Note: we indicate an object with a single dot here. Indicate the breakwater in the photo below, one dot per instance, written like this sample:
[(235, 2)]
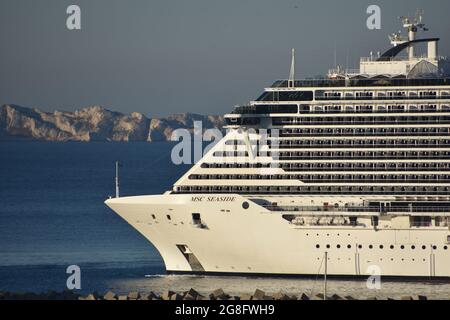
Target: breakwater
[(218, 294)]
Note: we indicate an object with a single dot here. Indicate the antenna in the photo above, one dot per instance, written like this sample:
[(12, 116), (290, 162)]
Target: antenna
[(413, 24), (291, 82), (117, 178), (335, 54)]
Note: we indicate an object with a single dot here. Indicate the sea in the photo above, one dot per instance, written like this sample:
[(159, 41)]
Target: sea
[(52, 216)]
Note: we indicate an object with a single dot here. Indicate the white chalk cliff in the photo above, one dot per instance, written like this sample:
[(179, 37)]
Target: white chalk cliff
[(94, 124)]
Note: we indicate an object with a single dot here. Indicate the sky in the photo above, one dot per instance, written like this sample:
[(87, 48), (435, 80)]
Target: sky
[(160, 57)]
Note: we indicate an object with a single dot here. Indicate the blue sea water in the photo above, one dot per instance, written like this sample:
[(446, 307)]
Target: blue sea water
[(52, 215)]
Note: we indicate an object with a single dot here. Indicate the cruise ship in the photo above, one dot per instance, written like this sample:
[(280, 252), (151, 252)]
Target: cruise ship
[(354, 167)]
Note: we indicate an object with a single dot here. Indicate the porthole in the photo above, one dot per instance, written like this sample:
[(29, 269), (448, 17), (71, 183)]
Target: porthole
[(434, 247), (359, 246), (245, 205), (168, 217), (392, 247), (445, 247), (338, 246), (402, 247), (317, 246), (370, 246), (381, 246), (413, 247), (349, 246), (424, 247), (328, 246)]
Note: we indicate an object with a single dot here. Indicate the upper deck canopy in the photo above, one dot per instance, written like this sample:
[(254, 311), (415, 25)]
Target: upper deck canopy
[(365, 82)]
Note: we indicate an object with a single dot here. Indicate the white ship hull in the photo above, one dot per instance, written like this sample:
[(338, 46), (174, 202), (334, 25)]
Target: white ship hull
[(258, 241), (356, 166)]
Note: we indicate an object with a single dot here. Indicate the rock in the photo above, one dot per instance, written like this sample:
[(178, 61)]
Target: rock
[(390, 298), (188, 296), (420, 297), (134, 295), (122, 297), (349, 298), (319, 296), (304, 296), (90, 297), (218, 294), (259, 295), (94, 124), (149, 296), (191, 295), (246, 297), (110, 296), (406, 298), (176, 296), (280, 296), (372, 298), (336, 297), (167, 294)]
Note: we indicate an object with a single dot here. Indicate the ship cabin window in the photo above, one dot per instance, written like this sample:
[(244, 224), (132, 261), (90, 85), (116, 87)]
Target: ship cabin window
[(333, 108), (353, 220), (319, 108), (420, 221), (196, 218), (365, 108), (429, 107), (304, 108), (350, 108), (445, 107), (374, 221), (331, 94), (397, 108), (427, 94), (364, 94)]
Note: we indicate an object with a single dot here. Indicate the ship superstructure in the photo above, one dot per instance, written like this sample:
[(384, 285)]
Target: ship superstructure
[(356, 165)]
